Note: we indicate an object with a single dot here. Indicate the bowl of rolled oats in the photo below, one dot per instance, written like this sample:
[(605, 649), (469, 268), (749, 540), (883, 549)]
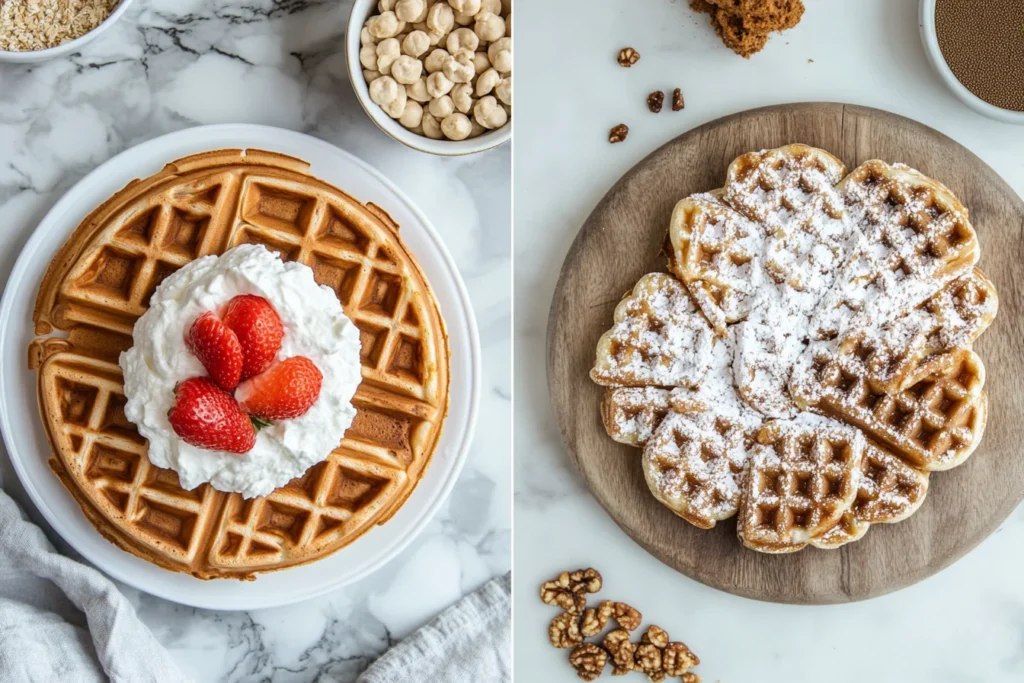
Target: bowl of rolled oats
[(37, 30), (436, 75)]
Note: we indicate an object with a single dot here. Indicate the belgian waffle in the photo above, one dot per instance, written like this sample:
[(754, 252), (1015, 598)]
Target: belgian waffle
[(99, 284), (804, 476), (845, 308), (889, 491)]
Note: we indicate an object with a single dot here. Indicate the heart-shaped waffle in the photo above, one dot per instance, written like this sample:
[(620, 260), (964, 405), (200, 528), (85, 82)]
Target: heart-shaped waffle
[(804, 476), (890, 491), (695, 465), (713, 252), (840, 371), (659, 338)]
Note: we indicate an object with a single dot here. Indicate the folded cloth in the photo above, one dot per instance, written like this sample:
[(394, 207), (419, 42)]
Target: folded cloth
[(470, 642), (63, 621)]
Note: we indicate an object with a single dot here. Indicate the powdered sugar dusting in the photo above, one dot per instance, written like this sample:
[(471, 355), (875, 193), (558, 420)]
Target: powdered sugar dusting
[(659, 338), (836, 309)]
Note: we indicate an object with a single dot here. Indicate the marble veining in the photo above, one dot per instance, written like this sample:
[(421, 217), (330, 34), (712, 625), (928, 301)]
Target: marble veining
[(173, 64)]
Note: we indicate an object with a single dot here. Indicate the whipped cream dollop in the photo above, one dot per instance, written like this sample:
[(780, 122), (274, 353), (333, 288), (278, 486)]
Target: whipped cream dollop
[(315, 326)]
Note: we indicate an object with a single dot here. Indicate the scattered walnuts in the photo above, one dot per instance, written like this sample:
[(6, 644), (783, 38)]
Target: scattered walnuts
[(595, 620), (568, 589), (627, 617), (564, 630), (678, 659), (648, 659), (618, 133), (589, 661), (621, 650), (677, 100), (628, 57), (655, 101), (655, 654), (655, 636)]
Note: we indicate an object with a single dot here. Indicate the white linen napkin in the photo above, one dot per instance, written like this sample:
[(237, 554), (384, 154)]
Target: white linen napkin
[(470, 642), (63, 621)]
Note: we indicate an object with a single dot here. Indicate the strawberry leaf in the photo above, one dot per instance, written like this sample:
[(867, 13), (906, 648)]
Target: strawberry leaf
[(258, 422)]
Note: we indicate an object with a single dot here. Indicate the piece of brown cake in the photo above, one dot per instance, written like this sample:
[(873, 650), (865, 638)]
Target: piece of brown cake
[(764, 16), (744, 25), (736, 36)]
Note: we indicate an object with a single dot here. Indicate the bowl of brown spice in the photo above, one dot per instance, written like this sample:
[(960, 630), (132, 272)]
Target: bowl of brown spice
[(37, 30), (977, 48)]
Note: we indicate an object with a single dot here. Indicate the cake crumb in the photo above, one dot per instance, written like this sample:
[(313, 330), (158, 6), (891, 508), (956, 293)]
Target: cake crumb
[(744, 25)]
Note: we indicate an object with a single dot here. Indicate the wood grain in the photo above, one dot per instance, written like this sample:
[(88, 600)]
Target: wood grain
[(621, 241)]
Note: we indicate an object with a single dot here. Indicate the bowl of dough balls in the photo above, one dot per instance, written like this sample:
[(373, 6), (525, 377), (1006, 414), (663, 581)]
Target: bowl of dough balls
[(436, 75)]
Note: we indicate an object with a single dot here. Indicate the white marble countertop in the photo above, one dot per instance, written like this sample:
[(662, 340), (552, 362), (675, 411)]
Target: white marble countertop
[(964, 624), (172, 64)]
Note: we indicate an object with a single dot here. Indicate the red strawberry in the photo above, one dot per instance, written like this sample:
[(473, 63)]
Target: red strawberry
[(286, 390), (206, 416), (259, 330), (217, 348)]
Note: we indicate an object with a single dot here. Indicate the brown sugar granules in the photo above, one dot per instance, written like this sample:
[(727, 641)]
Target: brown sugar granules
[(983, 44), (744, 25)]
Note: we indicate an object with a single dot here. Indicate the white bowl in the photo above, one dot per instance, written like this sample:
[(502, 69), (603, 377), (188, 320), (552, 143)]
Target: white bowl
[(68, 47), (931, 48), (361, 11)]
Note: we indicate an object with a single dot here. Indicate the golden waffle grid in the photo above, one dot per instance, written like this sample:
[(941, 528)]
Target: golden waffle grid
[(351, 248), (930, 408)]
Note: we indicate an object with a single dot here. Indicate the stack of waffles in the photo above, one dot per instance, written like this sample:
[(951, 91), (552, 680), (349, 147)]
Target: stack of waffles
[(808, 362), (100, 283)]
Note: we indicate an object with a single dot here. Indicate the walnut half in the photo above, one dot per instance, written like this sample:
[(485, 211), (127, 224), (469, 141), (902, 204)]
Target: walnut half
[(677, 100), (618, 133), (621, 650), (568, 589), (564, 631), (596, 619), (678, 659), (655, 101), (589, 661), (628, 57)]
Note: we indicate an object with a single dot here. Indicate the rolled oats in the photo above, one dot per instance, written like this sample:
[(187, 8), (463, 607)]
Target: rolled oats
[(42, 24)]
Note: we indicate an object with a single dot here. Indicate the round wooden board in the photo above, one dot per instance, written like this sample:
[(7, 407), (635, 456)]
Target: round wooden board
[(622, 241)]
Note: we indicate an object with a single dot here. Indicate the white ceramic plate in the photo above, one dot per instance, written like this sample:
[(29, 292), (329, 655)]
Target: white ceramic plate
[(23, 430)]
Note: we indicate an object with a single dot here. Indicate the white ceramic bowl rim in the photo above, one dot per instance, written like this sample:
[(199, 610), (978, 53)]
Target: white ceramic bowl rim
[(361, 10), (68, 47), (931, 46)]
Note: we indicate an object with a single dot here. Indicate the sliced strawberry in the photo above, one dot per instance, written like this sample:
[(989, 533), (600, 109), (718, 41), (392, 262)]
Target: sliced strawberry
[(286, 390), (259, 330), (217, 348), (206, 416)]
